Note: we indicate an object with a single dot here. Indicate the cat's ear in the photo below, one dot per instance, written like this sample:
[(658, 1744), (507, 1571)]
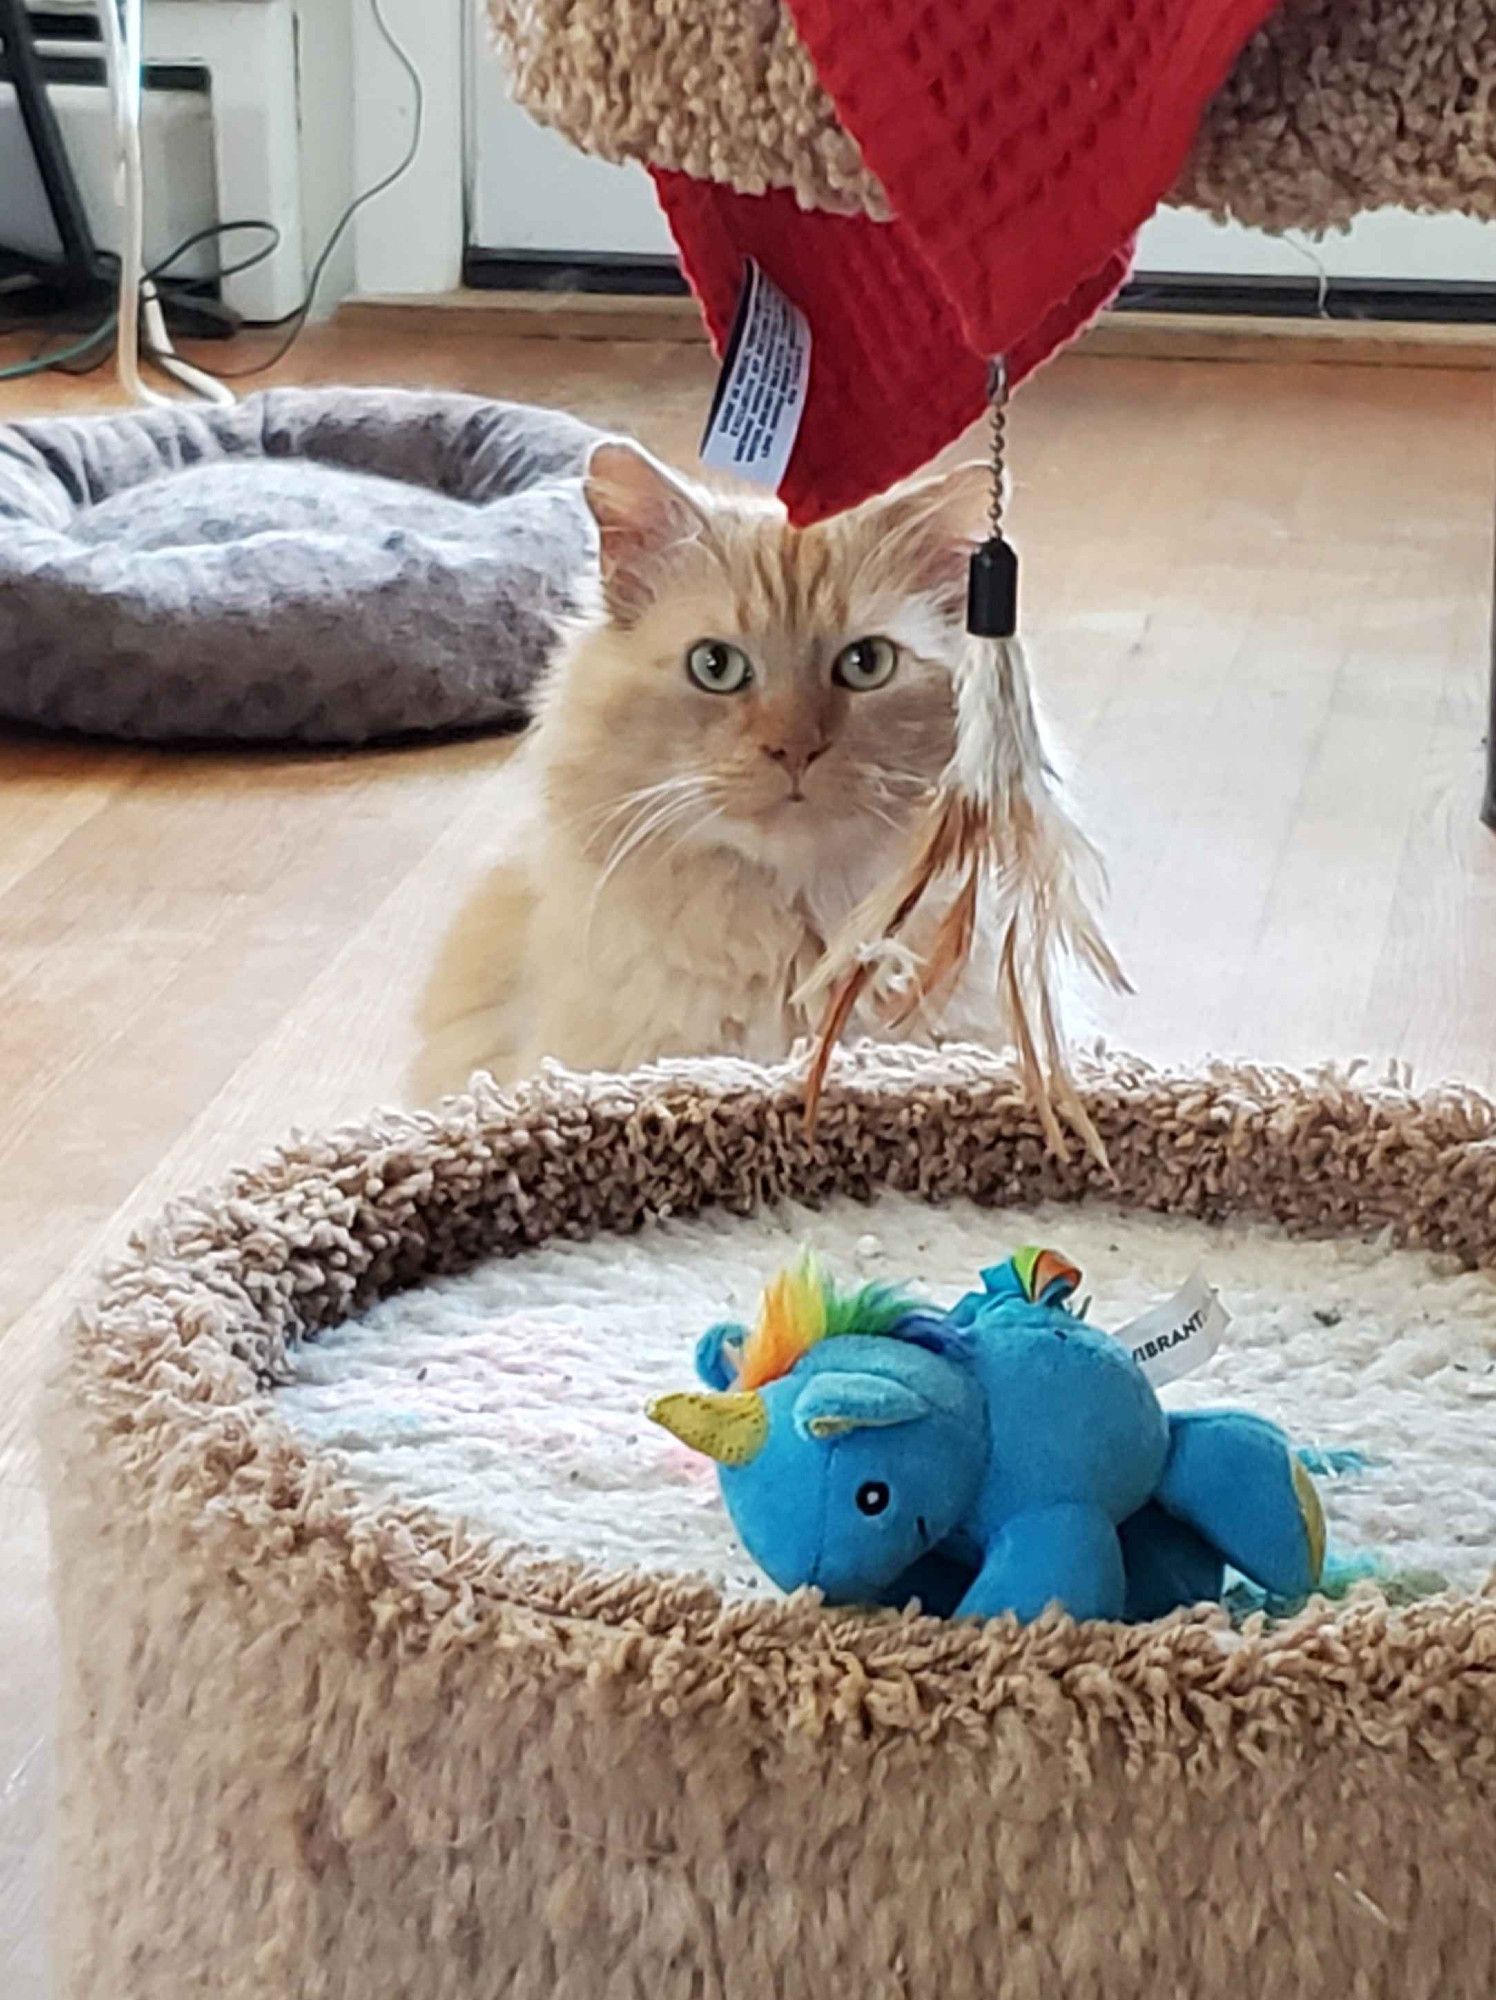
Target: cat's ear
[(921, 535), (644, 516)]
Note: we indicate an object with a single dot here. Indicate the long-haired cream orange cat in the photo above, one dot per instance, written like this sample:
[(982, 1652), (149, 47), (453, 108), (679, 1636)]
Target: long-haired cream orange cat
[(732, 749)]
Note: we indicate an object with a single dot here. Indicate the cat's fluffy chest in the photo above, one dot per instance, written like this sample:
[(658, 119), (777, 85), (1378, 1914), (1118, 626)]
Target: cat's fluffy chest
[(702, 952)]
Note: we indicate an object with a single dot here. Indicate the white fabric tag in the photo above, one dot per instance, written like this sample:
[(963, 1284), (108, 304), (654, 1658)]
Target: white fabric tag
[(760, 397), (1171, 1339)]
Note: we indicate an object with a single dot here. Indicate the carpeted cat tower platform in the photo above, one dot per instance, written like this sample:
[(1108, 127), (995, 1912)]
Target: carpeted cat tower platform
[(323, 1736)]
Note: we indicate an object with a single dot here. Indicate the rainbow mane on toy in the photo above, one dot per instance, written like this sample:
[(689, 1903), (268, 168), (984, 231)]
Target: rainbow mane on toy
[(802, 1306), (1001, 1455)]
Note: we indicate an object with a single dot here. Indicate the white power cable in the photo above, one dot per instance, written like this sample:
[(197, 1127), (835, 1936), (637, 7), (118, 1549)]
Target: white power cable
[(120, 23), (123, 68), (124, 57), (166, 357)]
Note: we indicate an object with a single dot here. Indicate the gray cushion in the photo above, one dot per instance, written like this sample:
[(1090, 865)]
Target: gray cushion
[(315, 566)]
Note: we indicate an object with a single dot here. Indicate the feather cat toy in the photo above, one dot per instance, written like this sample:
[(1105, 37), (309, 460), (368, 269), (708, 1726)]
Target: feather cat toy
[(997, 816), (1002, 1456)]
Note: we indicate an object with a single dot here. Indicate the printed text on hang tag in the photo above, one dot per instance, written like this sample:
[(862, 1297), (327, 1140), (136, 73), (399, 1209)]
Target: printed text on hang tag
[(760, 397), (1171, 1339)]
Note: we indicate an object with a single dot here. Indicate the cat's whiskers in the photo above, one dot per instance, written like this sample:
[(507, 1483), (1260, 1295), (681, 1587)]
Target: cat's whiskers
[(879, 812), (683, 797), (654, 811), (597, 819), (634, 844), (644, 812), (889, 781), (695, 826), (892, 797)]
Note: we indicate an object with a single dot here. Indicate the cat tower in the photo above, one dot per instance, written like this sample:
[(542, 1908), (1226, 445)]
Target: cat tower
[(1326, 108)]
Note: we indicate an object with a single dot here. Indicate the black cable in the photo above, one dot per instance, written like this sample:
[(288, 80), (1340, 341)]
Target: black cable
[(294, 320), (215, 230), (168, 286), (297, 319), (39, 363), (87, 358)]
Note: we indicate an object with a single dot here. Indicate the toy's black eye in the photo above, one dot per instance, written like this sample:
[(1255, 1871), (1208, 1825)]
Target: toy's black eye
[(872, 1497)]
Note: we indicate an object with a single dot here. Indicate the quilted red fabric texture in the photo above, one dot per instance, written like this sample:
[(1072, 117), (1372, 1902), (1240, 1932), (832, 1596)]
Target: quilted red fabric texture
[(1021, 144)]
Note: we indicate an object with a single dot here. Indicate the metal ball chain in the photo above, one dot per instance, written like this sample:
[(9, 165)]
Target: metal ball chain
[(997, 397)]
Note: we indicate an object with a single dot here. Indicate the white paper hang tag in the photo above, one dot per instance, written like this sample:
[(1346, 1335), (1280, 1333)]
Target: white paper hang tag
[(1181, 1334), (760, 399)]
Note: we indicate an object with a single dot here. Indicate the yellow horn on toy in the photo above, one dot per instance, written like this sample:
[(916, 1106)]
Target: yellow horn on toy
[(730, 1427)]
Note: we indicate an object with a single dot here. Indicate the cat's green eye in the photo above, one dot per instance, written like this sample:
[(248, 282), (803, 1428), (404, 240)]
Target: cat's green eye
[(718, 667), (865, 664)]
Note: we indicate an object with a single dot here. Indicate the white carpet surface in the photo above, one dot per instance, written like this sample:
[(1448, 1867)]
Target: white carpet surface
[(512, 1396)]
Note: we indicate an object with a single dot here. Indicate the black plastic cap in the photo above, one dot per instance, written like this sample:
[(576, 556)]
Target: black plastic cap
[(992, 591)]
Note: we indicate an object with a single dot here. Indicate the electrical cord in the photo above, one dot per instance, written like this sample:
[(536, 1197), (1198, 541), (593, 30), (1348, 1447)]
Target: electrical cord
[(210, 232), (40, 363), (140, 324), (158, 275), (297, 319), (164, 354), (119, 25), (186, 287)]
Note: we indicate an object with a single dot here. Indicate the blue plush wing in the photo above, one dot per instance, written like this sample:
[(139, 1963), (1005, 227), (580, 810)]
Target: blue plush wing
[(1038, 1283), (937, 1332)]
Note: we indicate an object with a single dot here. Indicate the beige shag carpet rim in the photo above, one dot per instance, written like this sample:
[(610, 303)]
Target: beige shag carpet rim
[(313, 1744), (1334, 107)]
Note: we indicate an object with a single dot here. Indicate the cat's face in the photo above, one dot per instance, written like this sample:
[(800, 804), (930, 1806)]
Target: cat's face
[(742, 684)]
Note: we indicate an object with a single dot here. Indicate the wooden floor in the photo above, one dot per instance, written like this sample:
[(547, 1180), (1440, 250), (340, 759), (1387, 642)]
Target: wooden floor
[(1260, 596)]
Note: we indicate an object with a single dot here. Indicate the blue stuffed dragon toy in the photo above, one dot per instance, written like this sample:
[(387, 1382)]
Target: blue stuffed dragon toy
[(1001, 1456)]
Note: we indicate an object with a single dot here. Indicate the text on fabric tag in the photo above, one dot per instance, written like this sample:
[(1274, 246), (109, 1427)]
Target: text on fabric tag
[(760, 396), (1171, 1339)]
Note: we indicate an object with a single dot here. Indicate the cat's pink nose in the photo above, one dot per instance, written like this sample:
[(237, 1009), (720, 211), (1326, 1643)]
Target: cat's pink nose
[(796, 758)]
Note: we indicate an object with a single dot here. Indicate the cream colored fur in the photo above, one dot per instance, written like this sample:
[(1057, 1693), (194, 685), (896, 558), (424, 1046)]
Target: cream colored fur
[(696, 849)]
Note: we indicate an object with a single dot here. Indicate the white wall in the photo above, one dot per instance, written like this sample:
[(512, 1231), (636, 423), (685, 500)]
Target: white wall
[(324, 63), (356, 113), (248, 48), (1388, 244), (409, 239), (532, 191)]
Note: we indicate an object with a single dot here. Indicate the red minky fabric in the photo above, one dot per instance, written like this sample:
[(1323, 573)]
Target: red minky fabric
[(1021, 144)]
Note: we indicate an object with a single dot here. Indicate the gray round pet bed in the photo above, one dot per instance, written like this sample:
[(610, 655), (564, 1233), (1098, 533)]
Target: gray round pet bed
[(323, 566), (330, 1737)]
